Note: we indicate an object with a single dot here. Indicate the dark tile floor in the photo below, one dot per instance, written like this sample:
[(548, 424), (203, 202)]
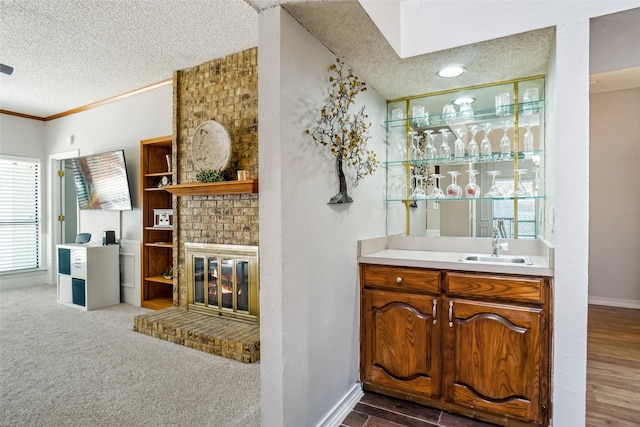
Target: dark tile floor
[(376, 410)]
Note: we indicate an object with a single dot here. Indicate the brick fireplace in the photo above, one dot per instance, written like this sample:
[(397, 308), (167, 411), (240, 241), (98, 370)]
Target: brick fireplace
[(225, 90)]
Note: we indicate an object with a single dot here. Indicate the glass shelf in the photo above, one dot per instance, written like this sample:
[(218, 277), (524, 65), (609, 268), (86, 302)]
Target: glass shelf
[(464, 199), (495, 157), (481, 115)]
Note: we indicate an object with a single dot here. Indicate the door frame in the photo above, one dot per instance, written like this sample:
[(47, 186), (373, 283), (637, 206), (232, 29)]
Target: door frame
[(56, 193)]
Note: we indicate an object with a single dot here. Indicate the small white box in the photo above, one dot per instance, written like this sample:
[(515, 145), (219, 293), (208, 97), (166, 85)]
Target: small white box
[(163, 218)]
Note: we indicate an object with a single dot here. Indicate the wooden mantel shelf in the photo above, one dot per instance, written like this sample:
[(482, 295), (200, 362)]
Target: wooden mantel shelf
[(212, 188)]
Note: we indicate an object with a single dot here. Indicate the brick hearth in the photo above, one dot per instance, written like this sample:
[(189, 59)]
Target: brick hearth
[(223, 337)]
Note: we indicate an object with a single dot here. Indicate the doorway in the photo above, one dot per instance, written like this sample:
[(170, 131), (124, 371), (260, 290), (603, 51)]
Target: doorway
[(68, 203)]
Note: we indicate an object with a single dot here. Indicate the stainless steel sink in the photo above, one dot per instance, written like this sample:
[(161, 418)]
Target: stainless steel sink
[(500, 259)]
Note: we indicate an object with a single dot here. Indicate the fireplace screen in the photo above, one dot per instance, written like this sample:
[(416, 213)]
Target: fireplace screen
[(223, 279)]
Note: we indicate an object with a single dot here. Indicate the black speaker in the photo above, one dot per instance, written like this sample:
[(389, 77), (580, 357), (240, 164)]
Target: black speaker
[(108, 237)]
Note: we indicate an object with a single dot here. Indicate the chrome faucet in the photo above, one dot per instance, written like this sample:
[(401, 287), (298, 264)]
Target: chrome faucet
[(498, 224)]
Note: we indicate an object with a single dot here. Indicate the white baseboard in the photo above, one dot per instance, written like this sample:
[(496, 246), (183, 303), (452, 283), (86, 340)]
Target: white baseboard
[(626, 303), (343, 407)]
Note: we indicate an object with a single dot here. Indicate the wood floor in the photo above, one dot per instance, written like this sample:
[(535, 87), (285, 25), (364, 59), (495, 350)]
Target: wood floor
[(376, 410), (613, 367), (613, 382)]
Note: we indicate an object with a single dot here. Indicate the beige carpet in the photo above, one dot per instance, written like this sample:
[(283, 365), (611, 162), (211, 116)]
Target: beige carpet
[(60, 366)]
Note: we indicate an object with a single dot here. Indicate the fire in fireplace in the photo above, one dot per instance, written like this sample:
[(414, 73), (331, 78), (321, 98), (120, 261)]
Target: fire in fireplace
[(223, 280)]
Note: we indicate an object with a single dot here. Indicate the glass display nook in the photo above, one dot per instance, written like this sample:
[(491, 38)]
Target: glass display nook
[(462, 160)]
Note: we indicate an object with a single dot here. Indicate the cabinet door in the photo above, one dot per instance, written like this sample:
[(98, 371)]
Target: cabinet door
[(494, 357), (64, 261), (401, 342), (64, 288)]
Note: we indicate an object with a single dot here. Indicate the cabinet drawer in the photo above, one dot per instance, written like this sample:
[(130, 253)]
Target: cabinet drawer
[(500, 287), (400, 278), (79, 264)]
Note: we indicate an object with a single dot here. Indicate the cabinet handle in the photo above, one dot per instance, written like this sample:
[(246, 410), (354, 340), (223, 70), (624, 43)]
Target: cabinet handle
[(399, 280), (450, 314), (435, 309)]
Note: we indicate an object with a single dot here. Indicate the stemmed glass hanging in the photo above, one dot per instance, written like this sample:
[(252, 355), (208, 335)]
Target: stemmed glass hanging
[(418, 190), (454, 191), (505, 143), (401, 142), (528, 139), (519, 191), (429, 148), (472, 190), (536, 186), (473, 149), (436, 192), (494, 191), (485, 144), (415, 151), (458, 145), (445, 151)]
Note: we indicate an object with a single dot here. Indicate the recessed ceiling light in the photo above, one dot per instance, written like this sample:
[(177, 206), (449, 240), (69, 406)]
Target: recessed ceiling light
[(464, 100), (452, 71)]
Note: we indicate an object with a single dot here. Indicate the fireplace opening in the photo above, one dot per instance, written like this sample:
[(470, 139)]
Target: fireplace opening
[(222, 280)]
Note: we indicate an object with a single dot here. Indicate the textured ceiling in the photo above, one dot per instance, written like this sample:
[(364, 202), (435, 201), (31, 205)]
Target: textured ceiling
[(70, 53), (346, 29)]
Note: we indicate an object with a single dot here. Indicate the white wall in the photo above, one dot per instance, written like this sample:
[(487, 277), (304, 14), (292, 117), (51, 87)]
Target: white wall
[(614, 231), (309, 349), (480, 20), (569, 73), (118, 125), (23, 137)]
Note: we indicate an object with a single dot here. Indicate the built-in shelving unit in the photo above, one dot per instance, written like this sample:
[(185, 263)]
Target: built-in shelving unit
[(508, 155), (157, 240)]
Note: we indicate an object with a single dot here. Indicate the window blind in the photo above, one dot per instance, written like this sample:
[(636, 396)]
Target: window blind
[(19, 213)]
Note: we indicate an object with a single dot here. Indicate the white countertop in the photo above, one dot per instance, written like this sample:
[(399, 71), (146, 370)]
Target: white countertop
[(376, 251)]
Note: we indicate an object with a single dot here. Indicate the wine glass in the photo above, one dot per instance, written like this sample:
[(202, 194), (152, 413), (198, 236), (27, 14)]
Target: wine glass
[(449, 113), (458, 145), (429, 148), (418, 190), (398, 187), (414, 145), (528, 139), (436, 193), (530, 101), (536, 185), (472, 148), (466, 111), (401, 146), (454, 191), (485, 144), (445, 151), (505, 143), (417, 115), (472, 190), (519, 191), (502, 104), (494, 191)]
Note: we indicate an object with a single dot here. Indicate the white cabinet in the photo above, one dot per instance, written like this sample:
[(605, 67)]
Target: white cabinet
[(88, 275)]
